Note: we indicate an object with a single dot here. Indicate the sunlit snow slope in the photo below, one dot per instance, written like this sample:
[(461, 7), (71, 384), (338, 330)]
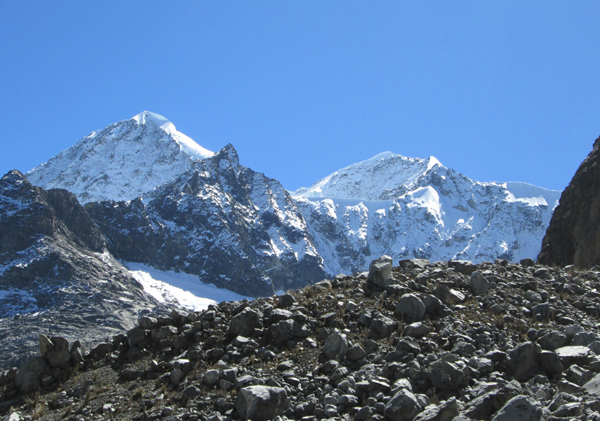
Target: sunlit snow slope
[(410, 207), (180, 289), (122, 161)]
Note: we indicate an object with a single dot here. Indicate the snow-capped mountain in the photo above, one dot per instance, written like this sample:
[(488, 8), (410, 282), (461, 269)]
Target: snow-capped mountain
[(410, 207), (122, 161), (385, 176), (206, 215), (231, 226)]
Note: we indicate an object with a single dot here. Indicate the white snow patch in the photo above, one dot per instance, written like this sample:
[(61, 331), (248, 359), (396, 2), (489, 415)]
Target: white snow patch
[(532, 195), (185, 143), (180, 289), (372, 179), (432, 162), (426, 197)]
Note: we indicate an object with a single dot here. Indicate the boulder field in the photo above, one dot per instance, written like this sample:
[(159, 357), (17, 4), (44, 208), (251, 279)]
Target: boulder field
[(419, 341)]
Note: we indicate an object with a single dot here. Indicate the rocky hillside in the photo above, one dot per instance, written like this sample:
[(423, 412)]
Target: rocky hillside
[(56, 275), (573, 236), (233, 227), (422, 341)]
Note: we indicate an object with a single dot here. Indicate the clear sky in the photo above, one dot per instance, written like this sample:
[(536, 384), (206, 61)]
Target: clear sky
[(497, 90)]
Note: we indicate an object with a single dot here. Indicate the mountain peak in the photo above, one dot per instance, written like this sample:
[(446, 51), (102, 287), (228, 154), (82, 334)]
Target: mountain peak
[(123, 161), (146, 117), (370, 179)]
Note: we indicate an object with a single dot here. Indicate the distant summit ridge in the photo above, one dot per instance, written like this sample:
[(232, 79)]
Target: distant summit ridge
[(148, 116), (377, 178), (123, 161), (418, 208)]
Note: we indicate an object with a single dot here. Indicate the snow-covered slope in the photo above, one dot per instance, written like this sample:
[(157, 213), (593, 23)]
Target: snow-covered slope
[(382, 177), (122, 161), (407, 207), (180, 289)]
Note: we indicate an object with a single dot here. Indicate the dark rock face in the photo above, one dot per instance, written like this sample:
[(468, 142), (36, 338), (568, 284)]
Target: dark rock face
[(55, 273), (573, 236), (236, 228)]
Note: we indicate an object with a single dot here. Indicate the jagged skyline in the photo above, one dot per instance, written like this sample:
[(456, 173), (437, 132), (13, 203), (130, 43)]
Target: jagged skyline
[(502, 92)]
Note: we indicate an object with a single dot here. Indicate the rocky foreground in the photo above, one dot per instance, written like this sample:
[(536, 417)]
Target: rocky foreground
[(423, 341)]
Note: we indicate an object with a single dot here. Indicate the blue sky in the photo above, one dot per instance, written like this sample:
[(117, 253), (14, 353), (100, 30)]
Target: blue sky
[(497, 90)]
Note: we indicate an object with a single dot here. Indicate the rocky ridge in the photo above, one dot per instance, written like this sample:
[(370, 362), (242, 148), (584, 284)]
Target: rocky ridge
[(149, 188), (233, 227), (56, 274), (422, 341)]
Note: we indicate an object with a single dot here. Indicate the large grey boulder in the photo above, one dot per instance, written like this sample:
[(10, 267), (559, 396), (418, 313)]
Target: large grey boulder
[(56, 351), (380, 271), (416, 330), (136, 336), (446, 375), (584, 338), (446, 411), (29, 377), (551, 363), (483, 406), (574, 355), (552, 340), (382, 327), (411, 308), (593, 386), (478, 284), (520, 408), (466, 267), (163, 332), (146, 322), (411, 264), (261, 403), (287, 330), (335, 346), (245, 323), (404, 406), (442, 293), (523, 361), (210, 377)]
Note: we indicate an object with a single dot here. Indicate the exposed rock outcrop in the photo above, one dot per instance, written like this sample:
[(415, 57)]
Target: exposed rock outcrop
[(234, 227), (573, 236), (55, 272)]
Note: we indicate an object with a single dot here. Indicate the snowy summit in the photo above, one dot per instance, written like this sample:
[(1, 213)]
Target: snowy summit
[(122, 161), (377, 178)]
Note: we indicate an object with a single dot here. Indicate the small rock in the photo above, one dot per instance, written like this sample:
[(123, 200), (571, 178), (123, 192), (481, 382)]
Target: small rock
[(416, 330), (380, 271), (261, 403), (411, 308), (478, 284), (335, 346), (520, 408), (402, 407), (523, 361), (177, 376)]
